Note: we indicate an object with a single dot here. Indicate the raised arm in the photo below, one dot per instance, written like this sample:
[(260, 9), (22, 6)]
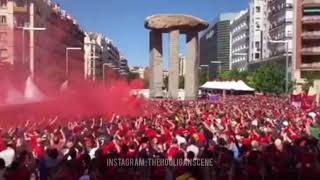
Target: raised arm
[(93, 123), (63, 136)]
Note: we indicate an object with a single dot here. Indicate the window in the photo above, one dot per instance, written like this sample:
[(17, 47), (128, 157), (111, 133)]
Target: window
[(19, 22), (3, 53), (258, 9), (20, 3), (3, 20), (257, 25), (3, 36), (3, 3), (257, 56), (257, 44)]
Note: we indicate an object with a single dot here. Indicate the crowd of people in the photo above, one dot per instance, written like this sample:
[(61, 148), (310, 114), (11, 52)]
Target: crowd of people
[(246, 137)]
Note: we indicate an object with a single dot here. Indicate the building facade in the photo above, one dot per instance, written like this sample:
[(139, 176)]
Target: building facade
[(215, 45), (257, 27), (101, 57), (138, 70), (124, 67), (307, 37), (182, 65), (34, 36), (239, 33), (276, 35)]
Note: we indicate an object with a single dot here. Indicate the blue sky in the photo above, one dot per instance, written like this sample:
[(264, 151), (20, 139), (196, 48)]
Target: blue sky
[(123, 20)]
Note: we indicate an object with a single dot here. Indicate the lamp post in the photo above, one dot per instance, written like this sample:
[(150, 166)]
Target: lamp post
[(67, 57), (31, 65), (287, 61)]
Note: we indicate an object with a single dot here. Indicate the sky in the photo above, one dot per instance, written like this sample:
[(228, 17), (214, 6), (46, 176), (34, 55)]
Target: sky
[(123, 20)]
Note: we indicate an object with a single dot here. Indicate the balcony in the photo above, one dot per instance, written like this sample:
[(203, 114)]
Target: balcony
[(311, 20), (20, 9), (311, 3), (310, 66), (311, 35), (311, 51)]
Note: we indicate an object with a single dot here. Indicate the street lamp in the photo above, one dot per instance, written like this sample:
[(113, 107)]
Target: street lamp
[(287, 60), (31, 46), (67, 57)]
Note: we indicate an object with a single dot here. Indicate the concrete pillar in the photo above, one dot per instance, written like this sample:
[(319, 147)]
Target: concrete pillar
[(192, 67), (174, 64), (156, 73)]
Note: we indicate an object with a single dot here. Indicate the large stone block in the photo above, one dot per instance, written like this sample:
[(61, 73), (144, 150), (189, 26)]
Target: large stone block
[(174, 64), (156, 73), (192, 67), (170, 22)]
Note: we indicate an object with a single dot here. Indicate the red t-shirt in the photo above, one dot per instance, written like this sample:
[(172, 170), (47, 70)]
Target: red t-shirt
[(202, 138), (150, 133), (107, 148), (172, 151)]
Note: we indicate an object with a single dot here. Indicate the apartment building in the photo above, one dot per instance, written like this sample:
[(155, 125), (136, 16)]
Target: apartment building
[(240, 41), (307, 37), (34, 36), (257, 17), (276, 35), (101, 57), (215, 45), (182, 65)]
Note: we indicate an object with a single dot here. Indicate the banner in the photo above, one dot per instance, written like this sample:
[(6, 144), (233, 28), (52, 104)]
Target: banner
[(213, 99)]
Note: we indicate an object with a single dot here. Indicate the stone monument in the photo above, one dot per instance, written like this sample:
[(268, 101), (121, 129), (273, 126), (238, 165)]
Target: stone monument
[(174, 25)]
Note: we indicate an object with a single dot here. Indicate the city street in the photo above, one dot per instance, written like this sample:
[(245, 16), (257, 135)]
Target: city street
[(159, 90)]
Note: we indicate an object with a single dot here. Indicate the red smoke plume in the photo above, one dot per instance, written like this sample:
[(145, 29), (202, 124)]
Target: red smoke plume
[(81, 99)]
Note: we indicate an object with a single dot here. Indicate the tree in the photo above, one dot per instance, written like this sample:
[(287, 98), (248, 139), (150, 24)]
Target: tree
[(309, 79), (133, 76), (235, 74), (270, 79)]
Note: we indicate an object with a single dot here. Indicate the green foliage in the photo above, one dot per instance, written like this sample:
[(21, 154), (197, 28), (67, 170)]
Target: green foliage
[(234, 74), (269, 79), (133, 76), (309, 79)]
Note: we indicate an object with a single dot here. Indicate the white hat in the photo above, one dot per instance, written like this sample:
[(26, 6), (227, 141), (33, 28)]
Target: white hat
[(254, 123), (312, 115)]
